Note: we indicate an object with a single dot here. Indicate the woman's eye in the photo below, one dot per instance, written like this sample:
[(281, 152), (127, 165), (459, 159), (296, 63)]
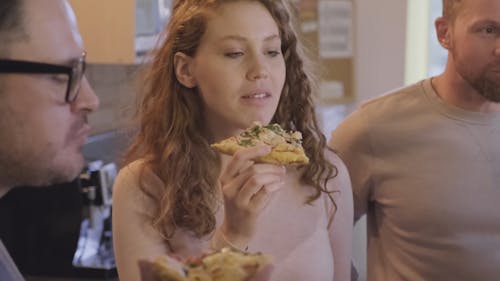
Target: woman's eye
[(233, 54), (273, 53)]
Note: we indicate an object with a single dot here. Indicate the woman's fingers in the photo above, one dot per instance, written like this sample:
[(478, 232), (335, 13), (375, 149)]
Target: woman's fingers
[(242, 159), (247, 189), (250, 180), (261, 198), (258, 183)]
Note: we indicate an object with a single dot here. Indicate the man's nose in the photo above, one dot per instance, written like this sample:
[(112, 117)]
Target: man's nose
[(87, 99)]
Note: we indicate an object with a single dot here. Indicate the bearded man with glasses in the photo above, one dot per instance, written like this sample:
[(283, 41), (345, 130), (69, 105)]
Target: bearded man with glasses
[(44, 99)]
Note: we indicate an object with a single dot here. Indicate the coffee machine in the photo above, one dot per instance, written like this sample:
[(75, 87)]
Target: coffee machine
[(94, 252), (63, 230)]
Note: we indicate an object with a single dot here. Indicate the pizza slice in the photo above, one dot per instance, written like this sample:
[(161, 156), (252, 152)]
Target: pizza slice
[(286, 146), (224, 265)]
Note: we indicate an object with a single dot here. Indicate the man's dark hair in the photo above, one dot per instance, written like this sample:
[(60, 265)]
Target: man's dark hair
[(11, 27), (11, 24)]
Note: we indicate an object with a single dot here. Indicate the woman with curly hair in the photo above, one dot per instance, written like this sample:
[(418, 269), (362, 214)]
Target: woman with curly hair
[(221, 66)]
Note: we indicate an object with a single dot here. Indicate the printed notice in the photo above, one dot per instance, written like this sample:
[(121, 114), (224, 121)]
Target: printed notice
[(335, 29), (331, 89)]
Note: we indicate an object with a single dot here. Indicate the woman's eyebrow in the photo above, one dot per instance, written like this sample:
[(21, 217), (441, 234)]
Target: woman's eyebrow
[(244, 39)]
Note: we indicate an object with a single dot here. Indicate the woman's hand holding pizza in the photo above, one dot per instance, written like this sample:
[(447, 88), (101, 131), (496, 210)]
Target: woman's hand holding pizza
[(247, 188)]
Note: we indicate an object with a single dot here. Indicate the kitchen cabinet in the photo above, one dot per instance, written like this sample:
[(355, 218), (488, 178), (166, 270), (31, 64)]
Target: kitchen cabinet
[(119, 31)]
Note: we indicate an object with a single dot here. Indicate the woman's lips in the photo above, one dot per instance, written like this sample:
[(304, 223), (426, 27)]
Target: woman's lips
[(257, 95)]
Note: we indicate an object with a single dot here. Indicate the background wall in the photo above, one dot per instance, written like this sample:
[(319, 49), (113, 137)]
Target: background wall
[(379, 67), (116, 87), (380, 46)]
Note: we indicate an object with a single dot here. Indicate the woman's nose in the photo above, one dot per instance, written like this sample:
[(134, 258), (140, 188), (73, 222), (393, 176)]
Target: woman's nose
[(258, 69)]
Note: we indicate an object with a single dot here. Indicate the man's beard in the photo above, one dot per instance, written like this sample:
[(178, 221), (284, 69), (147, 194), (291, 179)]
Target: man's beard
[(25, 164), (34, 172), (487, 87), (29, 162)]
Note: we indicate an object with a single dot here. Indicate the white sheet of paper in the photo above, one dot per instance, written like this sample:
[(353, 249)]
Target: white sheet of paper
[(335, 33)]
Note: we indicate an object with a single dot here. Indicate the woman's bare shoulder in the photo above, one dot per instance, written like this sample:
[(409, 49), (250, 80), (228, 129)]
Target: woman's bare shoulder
[(332, 157), (136, 178), (341, 180)]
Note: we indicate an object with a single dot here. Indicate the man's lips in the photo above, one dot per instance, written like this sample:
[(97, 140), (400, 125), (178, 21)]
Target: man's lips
[(82, 134)]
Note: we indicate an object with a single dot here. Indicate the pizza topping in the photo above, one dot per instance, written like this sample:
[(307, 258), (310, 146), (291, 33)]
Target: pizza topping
[(271, 134), (246, 142)]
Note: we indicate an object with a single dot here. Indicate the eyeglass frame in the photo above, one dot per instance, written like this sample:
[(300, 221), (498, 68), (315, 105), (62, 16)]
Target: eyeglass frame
[(31, 67)]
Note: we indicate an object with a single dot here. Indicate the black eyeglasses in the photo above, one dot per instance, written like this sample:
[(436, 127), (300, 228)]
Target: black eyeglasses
[(74, 72)]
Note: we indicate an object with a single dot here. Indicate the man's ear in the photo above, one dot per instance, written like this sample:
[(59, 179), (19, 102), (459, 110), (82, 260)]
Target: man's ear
[(443, 31), (182, 66)]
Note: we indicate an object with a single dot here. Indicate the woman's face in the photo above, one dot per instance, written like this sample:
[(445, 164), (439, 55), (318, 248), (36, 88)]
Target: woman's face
[(239, 69)]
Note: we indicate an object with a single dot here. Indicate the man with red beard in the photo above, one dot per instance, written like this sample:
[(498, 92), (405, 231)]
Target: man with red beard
[(44, 99), (424, 160)]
